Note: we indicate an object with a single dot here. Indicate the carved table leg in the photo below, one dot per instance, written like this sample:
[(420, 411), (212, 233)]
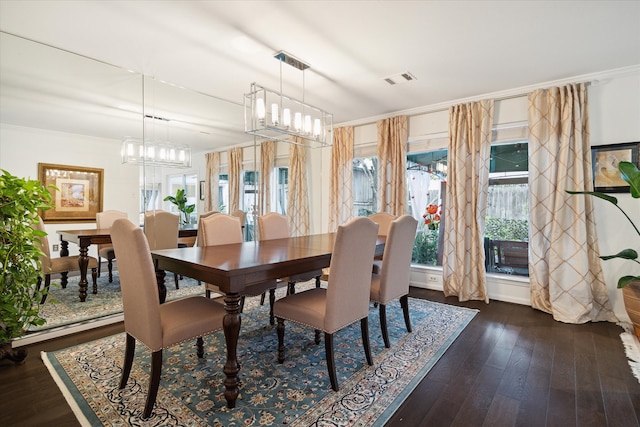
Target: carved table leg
[(83, 261), (231, 324), (162, 289), (64, 251)]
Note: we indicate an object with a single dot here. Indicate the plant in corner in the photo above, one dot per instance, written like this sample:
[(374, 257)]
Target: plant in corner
[(20, 200), (630, 283), (180, 200)]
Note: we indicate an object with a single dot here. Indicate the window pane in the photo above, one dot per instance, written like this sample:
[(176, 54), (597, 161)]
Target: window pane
[(365, 186)]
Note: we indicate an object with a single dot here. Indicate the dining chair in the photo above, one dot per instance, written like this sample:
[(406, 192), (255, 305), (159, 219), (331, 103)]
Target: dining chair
[(383, 219), (242, 216), (161, 230), (225, 229), (157, 326), (393, 279), (276, 226), (346, 298), (105, 250), (63, 264)]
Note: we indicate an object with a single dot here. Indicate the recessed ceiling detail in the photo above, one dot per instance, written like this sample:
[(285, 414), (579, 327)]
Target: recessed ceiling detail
[(400, 78)]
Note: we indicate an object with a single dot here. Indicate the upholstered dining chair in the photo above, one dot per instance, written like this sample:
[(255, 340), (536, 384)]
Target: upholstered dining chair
[(276, 226), (346, 298), (105, 250), (393, 279), (161, 230), (383, 219), (157, 326), (60, 264), (223, 229), (242, 216)]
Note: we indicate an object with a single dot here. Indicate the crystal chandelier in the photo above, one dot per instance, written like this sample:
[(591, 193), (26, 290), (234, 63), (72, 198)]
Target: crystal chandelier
[(271, 114)]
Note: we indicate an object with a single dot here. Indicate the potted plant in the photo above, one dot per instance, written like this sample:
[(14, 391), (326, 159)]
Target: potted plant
[(20, 252), (630, 283), (180, 200)]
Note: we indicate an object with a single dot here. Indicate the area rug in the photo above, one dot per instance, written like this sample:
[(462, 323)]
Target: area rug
[(63, 306), (631, 348), (295, 393)]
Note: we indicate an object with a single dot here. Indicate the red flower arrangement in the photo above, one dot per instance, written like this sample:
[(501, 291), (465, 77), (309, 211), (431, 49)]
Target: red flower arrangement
[(432, 216)]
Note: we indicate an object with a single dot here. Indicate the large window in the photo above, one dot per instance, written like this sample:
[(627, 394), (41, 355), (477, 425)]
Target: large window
[(223, 193), (281, 185)]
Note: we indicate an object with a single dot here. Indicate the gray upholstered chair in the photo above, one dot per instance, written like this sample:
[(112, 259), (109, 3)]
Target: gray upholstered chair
[(157, 326), (60, 265), (222, 229), (161, 229), (346, 299), (393, 280), (276, 226), (105, 250)]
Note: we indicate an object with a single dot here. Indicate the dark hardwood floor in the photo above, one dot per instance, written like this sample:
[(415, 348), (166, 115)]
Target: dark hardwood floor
[(512, 366)]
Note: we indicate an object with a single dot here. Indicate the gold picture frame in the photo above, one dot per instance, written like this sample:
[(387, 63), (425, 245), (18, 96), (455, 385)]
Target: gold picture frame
[(76, 192)]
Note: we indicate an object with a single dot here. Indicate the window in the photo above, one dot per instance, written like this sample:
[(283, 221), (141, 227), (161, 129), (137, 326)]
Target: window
[(365, 186), (190, 184), (223, 193), (249, 201), (279, 196)]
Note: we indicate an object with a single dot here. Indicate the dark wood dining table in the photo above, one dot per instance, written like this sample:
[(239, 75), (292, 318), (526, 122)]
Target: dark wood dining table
[(243, 268), (87, 237)]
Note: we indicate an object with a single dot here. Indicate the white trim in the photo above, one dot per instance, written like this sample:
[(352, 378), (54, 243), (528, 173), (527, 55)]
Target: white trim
[(45, 335)]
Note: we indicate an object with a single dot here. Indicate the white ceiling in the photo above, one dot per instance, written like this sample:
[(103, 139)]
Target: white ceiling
[(455, 49)]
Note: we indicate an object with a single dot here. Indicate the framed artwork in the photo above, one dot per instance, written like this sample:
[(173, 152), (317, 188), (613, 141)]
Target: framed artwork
[(202, 190), (77, 195), (605, 159)]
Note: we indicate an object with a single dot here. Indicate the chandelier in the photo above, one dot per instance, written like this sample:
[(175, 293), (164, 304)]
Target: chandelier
[(155, 153), (271, 114)]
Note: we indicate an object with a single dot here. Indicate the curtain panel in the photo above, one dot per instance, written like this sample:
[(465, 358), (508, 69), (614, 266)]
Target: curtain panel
[(392, 147), (235, 178), (467, 189), (212, 182), (565, 272), (298, 195), (341, 186), (267, 163)]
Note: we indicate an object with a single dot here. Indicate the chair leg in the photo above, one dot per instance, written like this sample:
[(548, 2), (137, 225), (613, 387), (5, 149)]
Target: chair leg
[(200, 347), (242, 303), (129, 351), (272, 300), (404, 303), (316, 339), (154, 382), (291, 288), (280, 330), (262, 299), (331, 364), (99, 265), (94, 279), (175, 278), (364, 327), (318, 281), (110, 267), (64, 279), (383, 324), (47, 284)]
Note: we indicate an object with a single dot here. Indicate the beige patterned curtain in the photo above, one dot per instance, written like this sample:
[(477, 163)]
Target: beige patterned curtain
[(341, 194), (212, 182), (235, 178), (298, 197), (392, 147), (565, 273), (470, 127), (267, 162)]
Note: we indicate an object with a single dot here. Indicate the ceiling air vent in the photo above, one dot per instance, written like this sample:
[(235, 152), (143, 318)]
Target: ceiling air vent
[(400, 78)]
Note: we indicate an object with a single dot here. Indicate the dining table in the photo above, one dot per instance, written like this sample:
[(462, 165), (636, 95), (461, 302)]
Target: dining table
[(244, 268), (94, 236)]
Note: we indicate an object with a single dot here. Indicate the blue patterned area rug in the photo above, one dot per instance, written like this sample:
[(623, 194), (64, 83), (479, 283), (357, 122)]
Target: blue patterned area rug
[(295, 393)]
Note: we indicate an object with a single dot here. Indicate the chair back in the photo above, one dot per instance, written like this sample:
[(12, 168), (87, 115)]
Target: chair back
[(161, 229), (241, 215), (220, 229), (384, 219), (105, 220), (45, 258), (140, 299), (396, 261), (273, 226), (350, 279)]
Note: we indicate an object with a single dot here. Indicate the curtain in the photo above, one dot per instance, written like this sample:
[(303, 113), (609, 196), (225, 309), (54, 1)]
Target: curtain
[(298, 196), (392, 147), (341, 186), (470, 127), (235, 178), (267, 161), (212, 182), (566, 276)]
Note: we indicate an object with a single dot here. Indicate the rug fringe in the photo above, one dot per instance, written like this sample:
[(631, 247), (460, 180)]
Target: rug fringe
[(631, 348)]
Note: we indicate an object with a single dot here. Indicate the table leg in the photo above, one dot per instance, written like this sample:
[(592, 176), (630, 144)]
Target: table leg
[(83, 261), (231, 324), (64, 251), (162, 289)]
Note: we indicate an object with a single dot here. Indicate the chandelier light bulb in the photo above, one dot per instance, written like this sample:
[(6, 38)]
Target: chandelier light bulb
[(297, 122), (260, 111), (172, 154), (316, 128), (307, 124), (275, 116), (286, 118), (129, 149)]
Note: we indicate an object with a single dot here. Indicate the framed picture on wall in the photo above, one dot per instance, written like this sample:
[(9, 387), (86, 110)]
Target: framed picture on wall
[(605, 159), (77, 195)]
